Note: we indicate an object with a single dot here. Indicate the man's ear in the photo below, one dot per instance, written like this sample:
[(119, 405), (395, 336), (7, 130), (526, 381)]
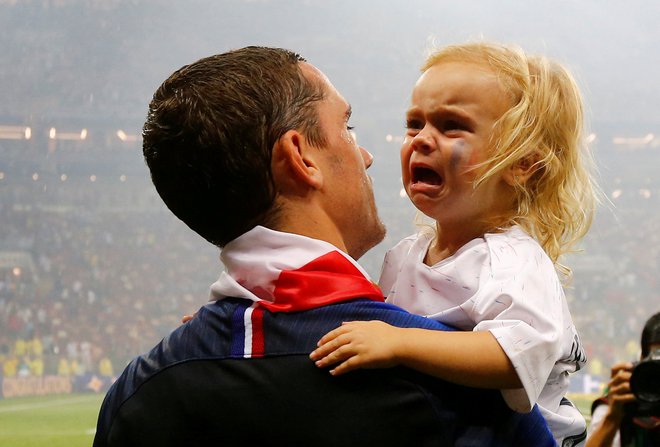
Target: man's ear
[(294, 163), (522, 170)]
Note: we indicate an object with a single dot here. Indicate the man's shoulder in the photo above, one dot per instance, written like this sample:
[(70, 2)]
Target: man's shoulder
[(389, 313), (235, 328), (221, 329)]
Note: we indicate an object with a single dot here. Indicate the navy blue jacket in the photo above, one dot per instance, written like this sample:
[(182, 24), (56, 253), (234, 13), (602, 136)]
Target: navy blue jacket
[(240, 375)]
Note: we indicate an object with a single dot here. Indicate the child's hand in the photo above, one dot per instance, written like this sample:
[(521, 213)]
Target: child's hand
[(358, 344), (187, 318)]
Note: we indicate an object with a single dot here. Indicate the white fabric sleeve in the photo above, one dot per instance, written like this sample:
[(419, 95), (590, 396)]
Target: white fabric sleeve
[(521, 304)]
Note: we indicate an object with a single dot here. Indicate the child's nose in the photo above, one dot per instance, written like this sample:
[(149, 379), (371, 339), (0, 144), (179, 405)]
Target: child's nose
[(423, 141)]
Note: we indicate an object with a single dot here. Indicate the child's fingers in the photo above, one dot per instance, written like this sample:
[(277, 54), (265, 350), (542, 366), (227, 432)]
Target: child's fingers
[(321, 352), (338, 347), (332, 351), (347, 366), (343, 329), (187, 318), (334, 358), (341, 354), (327, 338)]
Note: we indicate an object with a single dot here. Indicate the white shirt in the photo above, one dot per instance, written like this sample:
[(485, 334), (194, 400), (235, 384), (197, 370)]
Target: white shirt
[(506, 284)]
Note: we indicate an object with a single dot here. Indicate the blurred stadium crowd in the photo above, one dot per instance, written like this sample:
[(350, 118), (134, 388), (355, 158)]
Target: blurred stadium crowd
[(86, 285), (94, 269)]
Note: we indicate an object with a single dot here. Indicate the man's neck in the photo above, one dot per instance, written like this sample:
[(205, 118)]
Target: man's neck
[(313, 224)]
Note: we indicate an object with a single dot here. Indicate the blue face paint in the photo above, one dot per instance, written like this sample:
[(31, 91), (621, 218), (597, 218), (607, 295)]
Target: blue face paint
[(460, 153)]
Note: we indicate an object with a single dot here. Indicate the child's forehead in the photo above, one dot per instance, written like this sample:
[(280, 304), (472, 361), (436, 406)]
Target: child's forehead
[(461, 84), (458, 72)]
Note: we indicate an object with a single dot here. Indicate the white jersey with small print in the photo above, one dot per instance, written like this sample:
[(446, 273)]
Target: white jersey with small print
[(506, 284)]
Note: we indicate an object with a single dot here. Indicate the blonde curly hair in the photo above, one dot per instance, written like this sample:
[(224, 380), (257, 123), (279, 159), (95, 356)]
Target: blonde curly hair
[(542, 133)]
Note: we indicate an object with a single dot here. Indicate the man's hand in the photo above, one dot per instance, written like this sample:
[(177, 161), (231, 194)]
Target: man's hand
[(358, 344)]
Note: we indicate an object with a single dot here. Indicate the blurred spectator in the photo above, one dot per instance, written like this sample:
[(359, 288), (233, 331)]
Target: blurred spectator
[(618, 419)]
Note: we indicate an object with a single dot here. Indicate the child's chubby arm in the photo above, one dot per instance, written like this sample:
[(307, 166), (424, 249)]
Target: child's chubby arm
[(467, 358)]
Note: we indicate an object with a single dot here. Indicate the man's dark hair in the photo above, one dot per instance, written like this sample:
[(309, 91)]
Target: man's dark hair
[(210, 131), (650, 334)]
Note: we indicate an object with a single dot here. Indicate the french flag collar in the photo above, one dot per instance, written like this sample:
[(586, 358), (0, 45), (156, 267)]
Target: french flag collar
[(286, 272)]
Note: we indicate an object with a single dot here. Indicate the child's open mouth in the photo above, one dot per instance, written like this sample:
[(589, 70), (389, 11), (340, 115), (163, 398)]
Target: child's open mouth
[(422, 175)]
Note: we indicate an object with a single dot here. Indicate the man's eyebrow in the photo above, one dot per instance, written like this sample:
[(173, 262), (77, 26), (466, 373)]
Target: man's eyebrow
[(412, 110), (349, 112)]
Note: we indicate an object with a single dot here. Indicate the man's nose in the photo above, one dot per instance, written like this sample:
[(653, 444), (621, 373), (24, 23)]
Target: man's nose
[(367, 157)]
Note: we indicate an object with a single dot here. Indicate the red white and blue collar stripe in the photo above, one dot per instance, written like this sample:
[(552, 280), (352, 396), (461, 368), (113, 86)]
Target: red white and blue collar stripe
[(286, 272), (248, 331)]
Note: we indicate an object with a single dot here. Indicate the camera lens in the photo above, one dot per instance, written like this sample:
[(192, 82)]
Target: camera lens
[(645, 381)]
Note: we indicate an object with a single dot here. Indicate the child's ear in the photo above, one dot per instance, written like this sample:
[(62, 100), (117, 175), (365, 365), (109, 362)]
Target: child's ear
[(522, 170), (294, 164)]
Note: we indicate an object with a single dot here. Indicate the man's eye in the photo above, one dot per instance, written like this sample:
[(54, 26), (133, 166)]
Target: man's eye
[(349, 128), (414, 124)]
